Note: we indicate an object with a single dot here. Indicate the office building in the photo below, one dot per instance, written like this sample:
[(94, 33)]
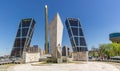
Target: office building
[(77, 39), (65, 51), (56, 33), (34, 49), (23, 37)]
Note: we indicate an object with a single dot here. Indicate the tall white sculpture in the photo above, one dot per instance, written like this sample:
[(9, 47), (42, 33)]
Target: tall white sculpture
[(56, 33)]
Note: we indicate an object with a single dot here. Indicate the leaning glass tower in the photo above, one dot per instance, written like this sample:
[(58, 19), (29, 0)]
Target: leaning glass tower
[(23, 37), (76, 36)]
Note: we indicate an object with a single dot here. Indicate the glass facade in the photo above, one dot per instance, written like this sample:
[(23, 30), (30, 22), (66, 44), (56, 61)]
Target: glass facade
[(23, 37), (76, 35)]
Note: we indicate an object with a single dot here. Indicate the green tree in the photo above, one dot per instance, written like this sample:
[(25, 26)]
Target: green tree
[(116, 49), (109, 50), (93, 52), (102, 50)]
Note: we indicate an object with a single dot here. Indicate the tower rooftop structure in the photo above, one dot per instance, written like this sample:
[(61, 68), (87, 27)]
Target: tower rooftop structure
[(115, 37)]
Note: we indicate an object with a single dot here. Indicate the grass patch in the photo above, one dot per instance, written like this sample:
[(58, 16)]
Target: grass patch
[(51, 60), (44, 63)]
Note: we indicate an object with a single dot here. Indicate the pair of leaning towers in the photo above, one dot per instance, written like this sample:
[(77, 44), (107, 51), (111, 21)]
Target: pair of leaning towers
[(77, 39)]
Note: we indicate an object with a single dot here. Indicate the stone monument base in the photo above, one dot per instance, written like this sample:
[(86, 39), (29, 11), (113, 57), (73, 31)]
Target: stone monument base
[(80, 56)]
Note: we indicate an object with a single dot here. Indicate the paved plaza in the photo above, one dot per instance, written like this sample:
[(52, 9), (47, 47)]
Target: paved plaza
[(89, 66)]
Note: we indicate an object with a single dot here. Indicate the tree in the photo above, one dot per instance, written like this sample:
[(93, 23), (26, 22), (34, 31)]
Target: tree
[(102, 50), (116, 49), (109, 50), (94, 52)]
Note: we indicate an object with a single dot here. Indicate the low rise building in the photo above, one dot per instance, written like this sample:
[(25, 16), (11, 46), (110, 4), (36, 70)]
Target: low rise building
[(32, 54), (65, 51)]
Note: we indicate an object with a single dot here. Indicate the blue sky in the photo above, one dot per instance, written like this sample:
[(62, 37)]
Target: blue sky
[(98, 18)]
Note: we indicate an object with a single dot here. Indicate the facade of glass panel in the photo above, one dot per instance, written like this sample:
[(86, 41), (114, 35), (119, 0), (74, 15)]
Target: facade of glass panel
[(76, 35), (23, 37)]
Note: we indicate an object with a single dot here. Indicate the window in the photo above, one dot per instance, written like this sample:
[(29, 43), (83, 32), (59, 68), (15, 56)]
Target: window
[(32, 26), (78, 49), (76, 41), (23, 42), (17, 42), (80, 32), (25, 31), (79, 24), (69, 32), (16, 52), (83, 48), (30, 32), (26, 23), (82, 41), (75, 31), (72, 42), (18, 33), (73, 22)]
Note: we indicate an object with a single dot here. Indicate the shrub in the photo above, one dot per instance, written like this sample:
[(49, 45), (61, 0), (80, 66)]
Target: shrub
[(51, 60)]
